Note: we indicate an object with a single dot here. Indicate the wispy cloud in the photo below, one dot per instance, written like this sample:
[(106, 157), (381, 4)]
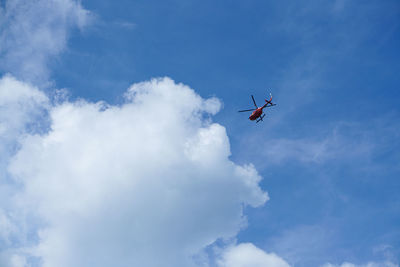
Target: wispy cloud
[(337, 146), (126, 25), (304, 243), (369, 264), (32, 32)]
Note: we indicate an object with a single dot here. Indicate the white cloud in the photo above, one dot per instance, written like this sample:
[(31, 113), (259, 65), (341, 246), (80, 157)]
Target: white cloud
[(33, 31), (370, 264), (246, 254), (20, 104), (147, 183), (21, 110)]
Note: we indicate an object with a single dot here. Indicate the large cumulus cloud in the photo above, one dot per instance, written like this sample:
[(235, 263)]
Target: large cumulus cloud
[(145, 183)]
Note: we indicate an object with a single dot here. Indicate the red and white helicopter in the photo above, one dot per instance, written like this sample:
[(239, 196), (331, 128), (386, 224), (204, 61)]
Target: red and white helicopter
[(257, 114)]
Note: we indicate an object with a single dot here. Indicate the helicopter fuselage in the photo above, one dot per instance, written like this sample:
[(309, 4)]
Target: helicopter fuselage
[(256, 114)]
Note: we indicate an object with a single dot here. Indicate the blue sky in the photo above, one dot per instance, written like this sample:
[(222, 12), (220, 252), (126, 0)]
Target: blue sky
[(333, 69), (328, 152)]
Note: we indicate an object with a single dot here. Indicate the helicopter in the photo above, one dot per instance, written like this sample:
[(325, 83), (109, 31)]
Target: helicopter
[(257, 114)]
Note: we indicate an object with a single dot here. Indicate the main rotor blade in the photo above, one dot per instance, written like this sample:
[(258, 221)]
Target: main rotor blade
[(254, 101), (247, 110)]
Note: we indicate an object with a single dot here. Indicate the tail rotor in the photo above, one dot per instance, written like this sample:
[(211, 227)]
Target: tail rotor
[(270, 98)]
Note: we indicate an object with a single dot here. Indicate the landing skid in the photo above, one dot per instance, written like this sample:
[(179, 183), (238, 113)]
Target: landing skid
[(261, 118)]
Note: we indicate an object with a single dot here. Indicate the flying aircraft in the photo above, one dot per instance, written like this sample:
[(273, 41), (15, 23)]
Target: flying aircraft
[(257, 114)]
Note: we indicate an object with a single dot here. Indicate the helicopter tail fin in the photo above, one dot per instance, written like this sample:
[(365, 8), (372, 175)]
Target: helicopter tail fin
[(270, 99)]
